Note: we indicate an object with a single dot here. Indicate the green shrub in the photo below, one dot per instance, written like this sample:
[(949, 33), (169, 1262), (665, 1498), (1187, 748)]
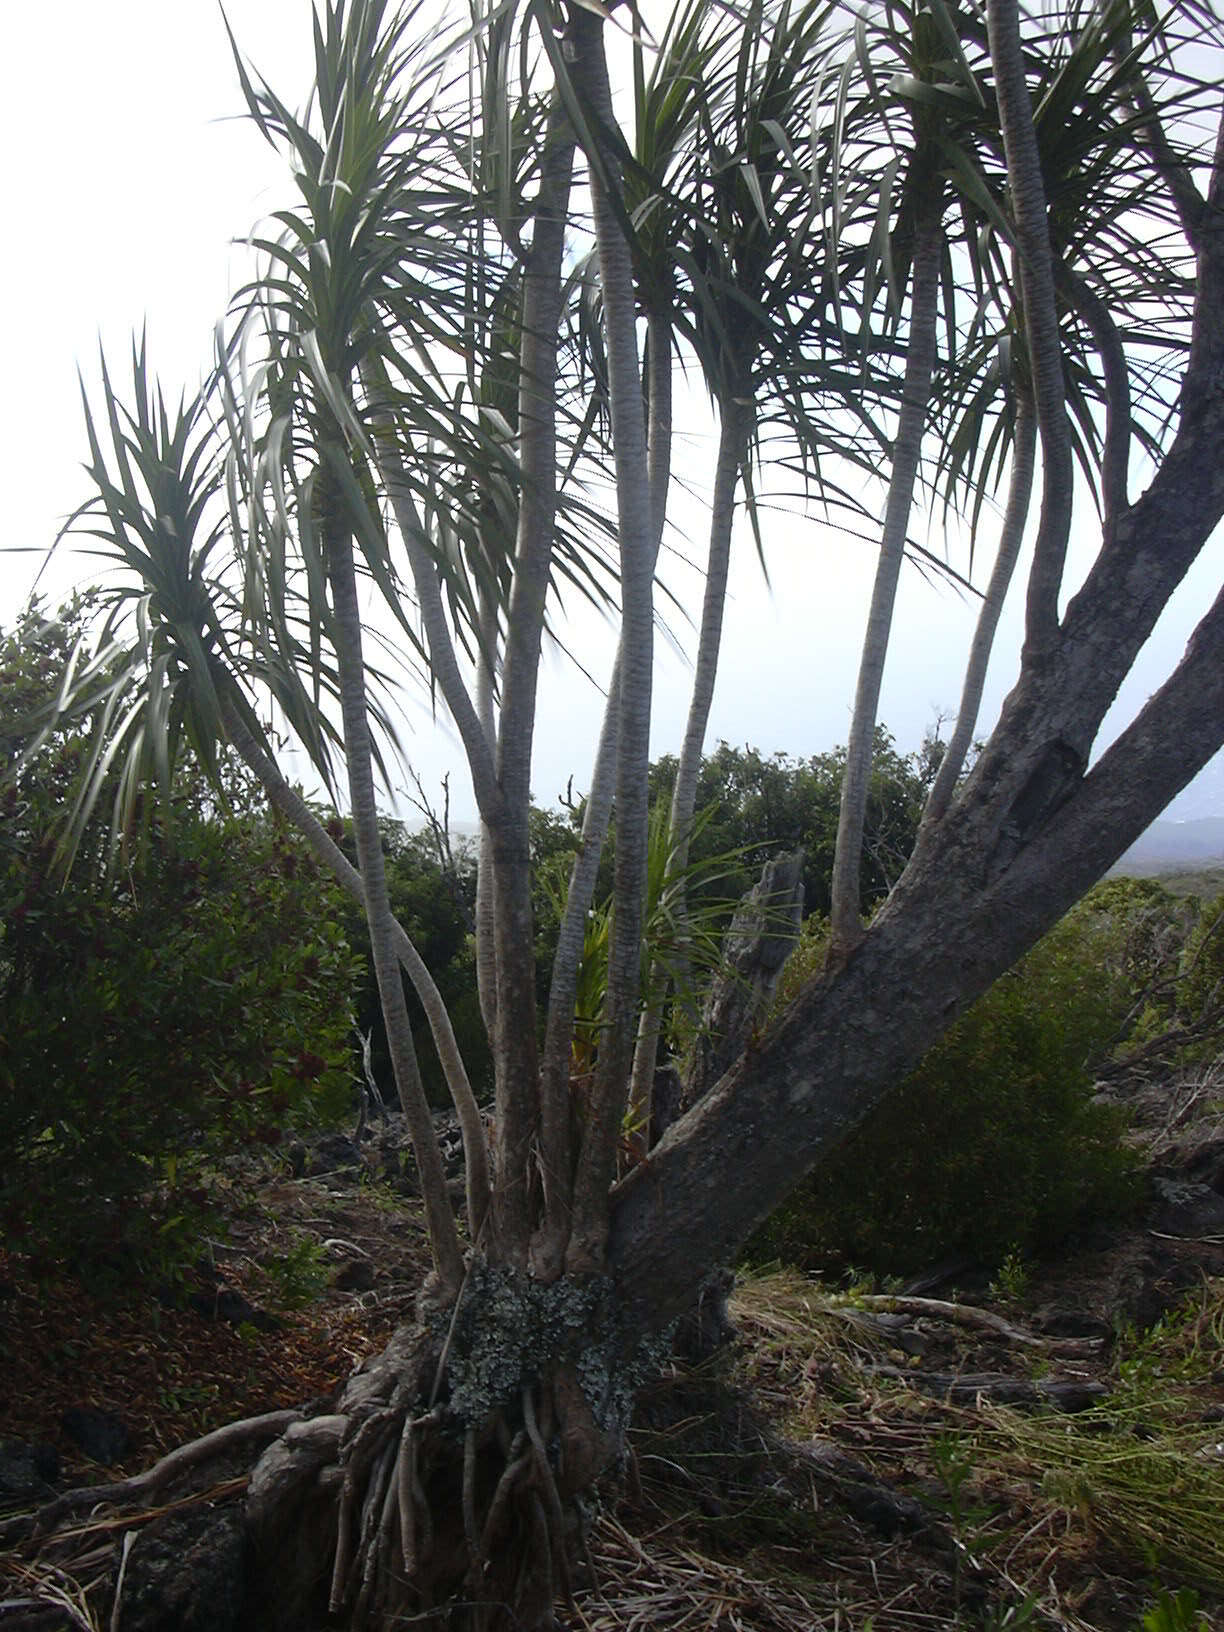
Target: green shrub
[(202, 1008), (994, 1144), (194, 1000), (1200, 991)]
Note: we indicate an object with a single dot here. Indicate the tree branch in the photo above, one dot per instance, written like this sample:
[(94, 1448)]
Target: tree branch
[(845, 907), (736, 418), (1115, 454), (517, 1069), (1170, 166), (486, 673), (1040, 318), (443, 1236), (942, 938), (1019, 497), (554, 1090), (443, 662), (596, 1161)]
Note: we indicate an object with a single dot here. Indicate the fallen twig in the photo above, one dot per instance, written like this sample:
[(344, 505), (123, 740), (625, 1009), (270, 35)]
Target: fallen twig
[(963, 1315)]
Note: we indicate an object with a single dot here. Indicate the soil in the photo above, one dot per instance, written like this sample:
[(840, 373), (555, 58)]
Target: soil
[(888, 1459)]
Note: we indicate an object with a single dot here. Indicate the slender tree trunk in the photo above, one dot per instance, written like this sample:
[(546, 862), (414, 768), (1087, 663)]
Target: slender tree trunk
[(443, 1236), (731, 444), (845, 912), (1028, 200), (518, 1107), (979, 897), (486, 961), (1014, 517), (597, 815), (597, 1156)]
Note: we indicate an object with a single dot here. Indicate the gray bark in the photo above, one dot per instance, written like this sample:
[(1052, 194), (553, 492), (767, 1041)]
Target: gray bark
[(444, 1238), (1014, 517), (1030, 833), (969, 906), (731, 443), (518, 1106), (1040, 317), (597, 1156), (844, 910), (549, 1249)]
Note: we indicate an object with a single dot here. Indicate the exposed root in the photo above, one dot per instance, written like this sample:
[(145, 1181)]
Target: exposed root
[(405, 1484), (549, 1496), (469, 1502), (507, 1535), (517, 1462), (233, 1436)]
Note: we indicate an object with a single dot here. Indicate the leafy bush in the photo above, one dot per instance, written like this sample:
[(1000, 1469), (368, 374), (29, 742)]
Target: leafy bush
[(196, 999), (1200, 990), (995, 1143)]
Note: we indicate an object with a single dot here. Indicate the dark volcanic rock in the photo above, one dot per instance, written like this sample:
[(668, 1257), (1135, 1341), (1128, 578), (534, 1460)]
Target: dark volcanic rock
[(334, 1153), (27, 1472), (187, 1575), (224, 1303), (1059, 1321), (357, 1275), (1187, 1209), (102, 1435)]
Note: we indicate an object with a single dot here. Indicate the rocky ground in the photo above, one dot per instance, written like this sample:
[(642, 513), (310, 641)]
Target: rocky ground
[(1045, 1448)]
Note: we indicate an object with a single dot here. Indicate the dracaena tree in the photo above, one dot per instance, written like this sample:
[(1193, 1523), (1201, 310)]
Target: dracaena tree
[(964, 254)]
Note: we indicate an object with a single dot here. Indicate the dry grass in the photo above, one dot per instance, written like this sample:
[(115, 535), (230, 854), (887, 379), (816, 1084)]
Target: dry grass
[(1058, 1520)]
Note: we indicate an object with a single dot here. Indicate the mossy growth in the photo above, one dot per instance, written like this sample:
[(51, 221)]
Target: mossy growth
[(510, 1330)]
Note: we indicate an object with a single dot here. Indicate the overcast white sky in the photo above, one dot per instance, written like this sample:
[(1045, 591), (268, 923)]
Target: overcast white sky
[(127, 178)]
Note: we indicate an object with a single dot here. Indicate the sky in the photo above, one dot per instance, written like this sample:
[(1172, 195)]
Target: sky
[(132, 174)]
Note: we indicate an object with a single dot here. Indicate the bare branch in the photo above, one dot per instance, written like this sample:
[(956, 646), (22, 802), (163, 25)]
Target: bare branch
[(554, 1090), (443, 1236), (1170, 165), (444, 664), (486, 966), (507, 851), (736, 420)]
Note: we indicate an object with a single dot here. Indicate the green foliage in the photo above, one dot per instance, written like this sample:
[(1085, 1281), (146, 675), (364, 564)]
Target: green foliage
[(1200, 991), (299, 1274), (751, 804), (435, 903), (994, 1145), (756, 802), (1012, 1278), (156, 1016), (689, 941), (1182, 1347), (1175, 1612)]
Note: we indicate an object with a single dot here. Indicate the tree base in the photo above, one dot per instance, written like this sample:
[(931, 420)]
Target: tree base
[(394, 1506)]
